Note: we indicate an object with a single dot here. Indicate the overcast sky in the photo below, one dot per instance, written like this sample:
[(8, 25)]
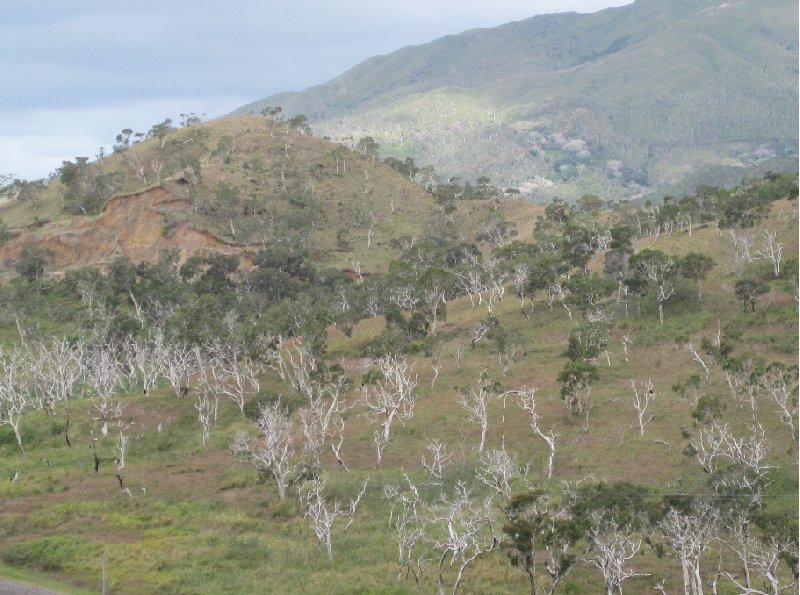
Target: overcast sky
[(78, 72)]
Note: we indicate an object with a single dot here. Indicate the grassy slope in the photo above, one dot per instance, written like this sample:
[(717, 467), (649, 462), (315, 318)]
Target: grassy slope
[(198, 523)]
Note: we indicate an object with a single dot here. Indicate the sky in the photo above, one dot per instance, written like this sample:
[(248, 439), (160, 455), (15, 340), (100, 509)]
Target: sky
[(79, 72)]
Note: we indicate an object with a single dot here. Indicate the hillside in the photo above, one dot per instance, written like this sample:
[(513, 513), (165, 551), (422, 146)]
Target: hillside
[(233, 185), (650, 98), (151, 475)]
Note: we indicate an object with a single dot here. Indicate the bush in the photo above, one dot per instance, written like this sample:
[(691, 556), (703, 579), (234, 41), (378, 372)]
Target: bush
[(252, 409)]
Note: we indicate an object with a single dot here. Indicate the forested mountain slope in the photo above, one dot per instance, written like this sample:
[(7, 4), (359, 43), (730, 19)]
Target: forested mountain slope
[(655, 96)]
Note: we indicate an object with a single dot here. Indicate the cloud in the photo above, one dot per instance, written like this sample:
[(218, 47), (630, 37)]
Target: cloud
[(34, 142), (76, 73)]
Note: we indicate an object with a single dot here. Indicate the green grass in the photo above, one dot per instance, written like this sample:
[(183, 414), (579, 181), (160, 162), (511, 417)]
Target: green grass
[(197, 522)]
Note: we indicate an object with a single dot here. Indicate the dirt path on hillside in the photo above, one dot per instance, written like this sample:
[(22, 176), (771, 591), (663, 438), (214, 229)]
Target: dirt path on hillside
[(9, 587)]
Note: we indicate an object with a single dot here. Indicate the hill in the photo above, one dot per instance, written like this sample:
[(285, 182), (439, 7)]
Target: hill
[(233, 185), (165, 478), (649, 98)]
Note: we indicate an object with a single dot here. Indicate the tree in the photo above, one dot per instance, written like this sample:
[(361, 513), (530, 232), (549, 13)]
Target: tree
[(689, 210), (271, 452), (87, 193), (741, 209), (536, 526), (590, 203), (323, 514), (228, 198), (749, 291), (30, 264), (123, 140), (476, 403), (14, 394), (369, 147), (24, 191), (467, 531), (392, 397), (160, 131), (696, 266), (300, 123), (432, 289), (591, 294), (557, 212), (577, 378), (690, 534), (656, 269), (507, 347)]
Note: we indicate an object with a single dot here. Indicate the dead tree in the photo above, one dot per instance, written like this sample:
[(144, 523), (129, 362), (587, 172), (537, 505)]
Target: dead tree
[(233, 371), (458, 354), (206, 404), (779, 384), (14, 394), (103, 376), (272, 451), (54, 369), (322, 514), (180, 363), (519, 280), (689, 535), (467, 531), (471, 283), (436, 365), (390, 398), (476, 404), (526, 399), (439, 459), (145, 358), (497, 470), (612, 547), (690, 348), (321, 418), (643, 395), (405, 518), (771, 250), (497, 279), (626, 340), (710, 445), (765, 558)]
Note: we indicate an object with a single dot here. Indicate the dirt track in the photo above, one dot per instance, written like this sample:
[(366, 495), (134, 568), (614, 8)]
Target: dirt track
[(9, 587)]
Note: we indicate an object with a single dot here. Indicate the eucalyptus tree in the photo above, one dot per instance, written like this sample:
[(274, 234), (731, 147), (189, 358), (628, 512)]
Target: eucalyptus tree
[(656, 270), (390, 397)]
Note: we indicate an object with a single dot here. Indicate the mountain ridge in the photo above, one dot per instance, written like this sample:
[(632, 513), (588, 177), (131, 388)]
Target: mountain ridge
[(667, 89)]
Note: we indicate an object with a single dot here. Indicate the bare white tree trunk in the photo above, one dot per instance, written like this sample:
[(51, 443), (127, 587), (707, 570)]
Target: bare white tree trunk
[(642, 401), (527, 402)]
